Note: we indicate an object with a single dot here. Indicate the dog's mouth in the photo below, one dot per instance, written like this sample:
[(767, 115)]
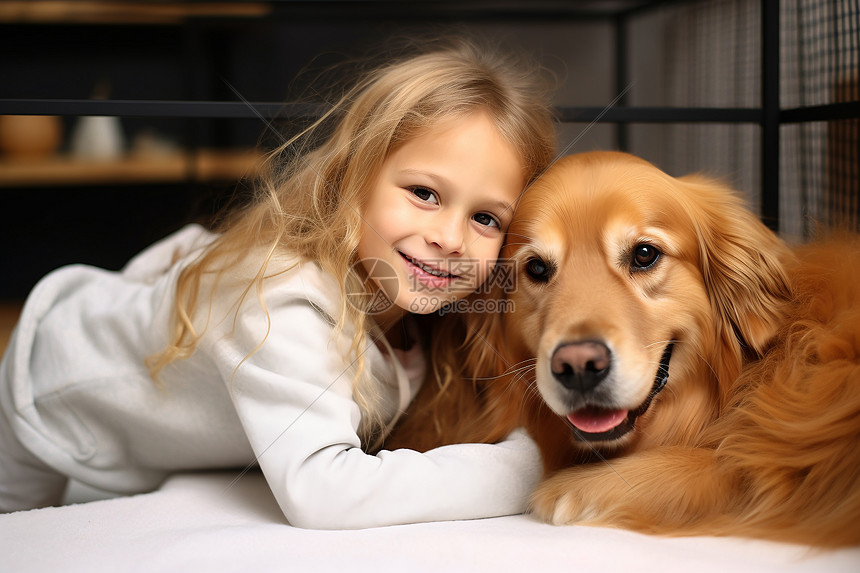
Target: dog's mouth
[(596, 424)]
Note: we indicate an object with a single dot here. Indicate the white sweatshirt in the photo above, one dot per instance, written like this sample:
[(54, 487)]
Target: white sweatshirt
[(74, 388)]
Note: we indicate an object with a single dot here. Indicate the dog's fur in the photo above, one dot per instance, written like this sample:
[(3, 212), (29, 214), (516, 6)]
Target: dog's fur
[(757, 431)]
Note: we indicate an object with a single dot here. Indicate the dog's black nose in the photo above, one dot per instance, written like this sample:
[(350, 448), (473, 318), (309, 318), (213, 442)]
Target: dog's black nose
[(581, 366)]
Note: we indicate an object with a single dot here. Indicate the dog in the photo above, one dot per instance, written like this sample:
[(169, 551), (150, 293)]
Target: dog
[(682, 370)]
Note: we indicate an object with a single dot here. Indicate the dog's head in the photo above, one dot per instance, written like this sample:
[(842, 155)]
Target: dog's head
[(628, 280)]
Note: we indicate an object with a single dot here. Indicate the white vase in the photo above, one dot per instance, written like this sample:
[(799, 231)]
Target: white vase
[(97, 138)]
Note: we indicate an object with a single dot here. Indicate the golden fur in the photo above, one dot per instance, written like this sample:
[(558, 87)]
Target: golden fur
[(756, 433)]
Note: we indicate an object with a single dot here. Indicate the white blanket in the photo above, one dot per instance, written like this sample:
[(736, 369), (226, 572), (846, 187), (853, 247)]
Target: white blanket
[(216, 523)]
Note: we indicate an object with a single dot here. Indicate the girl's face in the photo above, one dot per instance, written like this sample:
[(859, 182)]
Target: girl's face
[(436, 217)]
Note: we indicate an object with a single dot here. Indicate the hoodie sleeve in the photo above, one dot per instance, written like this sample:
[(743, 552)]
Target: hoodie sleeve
[(294, 397)]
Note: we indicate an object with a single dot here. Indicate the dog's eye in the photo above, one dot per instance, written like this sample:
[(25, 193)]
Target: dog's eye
[(644, 257), (538, 270)]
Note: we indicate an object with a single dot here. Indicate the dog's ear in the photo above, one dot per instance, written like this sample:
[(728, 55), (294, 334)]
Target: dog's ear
[(742, 263), (485, 351), (465, 351)]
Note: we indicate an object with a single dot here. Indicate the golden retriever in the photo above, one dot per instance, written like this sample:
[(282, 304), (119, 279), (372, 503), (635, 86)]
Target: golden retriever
[(681, 369)]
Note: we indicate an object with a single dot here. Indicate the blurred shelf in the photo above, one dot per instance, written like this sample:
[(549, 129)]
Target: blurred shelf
[(116, 12), (164, 12), (61, 170), (9, 313)]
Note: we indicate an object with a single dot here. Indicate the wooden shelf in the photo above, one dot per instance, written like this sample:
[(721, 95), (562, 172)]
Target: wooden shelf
[(60, 170), (9, 313), (124, 12)]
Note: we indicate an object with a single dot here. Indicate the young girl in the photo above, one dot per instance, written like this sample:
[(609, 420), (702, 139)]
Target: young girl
[(287, 340)]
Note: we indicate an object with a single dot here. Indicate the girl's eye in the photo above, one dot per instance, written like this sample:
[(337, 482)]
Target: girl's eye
[(485, 219), (424, 194)]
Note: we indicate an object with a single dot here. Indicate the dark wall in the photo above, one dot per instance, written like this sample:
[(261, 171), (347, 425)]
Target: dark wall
[(104, 225)]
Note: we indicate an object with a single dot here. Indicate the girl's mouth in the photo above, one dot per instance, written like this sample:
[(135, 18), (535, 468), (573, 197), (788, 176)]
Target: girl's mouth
[(427, 274)]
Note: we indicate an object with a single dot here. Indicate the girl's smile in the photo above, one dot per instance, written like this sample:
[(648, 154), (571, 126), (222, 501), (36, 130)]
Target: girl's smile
[(428, 275)]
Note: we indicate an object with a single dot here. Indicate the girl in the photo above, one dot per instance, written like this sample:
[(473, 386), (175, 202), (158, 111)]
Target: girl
[(287, 340)]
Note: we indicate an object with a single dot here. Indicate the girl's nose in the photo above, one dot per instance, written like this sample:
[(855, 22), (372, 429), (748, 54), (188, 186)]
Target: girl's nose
[(447, 235)]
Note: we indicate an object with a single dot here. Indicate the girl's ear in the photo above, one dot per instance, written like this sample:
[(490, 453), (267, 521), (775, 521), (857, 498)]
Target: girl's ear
[(742, 263)]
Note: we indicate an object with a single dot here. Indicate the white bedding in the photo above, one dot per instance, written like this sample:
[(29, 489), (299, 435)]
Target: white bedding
[(206, 522)]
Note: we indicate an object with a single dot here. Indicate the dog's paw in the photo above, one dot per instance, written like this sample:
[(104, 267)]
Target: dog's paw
[(561, 501), (664, 489)]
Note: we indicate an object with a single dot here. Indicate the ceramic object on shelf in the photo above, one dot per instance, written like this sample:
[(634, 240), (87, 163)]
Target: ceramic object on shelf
[(150, 143), (30, 136), (97, 138)]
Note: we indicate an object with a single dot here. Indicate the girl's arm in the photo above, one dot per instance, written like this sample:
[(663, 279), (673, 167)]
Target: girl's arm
[(294, 397)]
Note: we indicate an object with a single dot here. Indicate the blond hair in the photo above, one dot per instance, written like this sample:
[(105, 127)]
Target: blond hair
[(309, 204)]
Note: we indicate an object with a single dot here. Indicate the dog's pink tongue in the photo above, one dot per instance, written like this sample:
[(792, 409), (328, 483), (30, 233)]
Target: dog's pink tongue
[(596, 420)]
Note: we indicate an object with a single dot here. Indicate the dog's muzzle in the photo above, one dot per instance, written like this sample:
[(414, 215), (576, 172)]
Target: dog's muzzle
[(627, 423)]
